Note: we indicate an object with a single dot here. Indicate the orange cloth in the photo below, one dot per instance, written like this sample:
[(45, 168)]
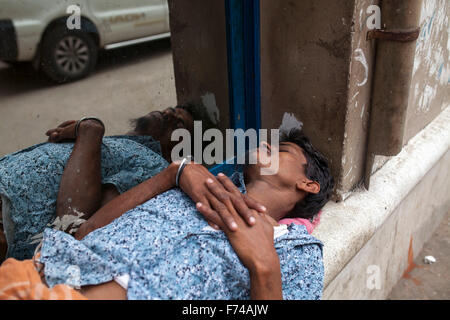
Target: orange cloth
[(19, 280)]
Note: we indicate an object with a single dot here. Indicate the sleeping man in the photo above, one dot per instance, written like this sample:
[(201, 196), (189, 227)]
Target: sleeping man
[(30, 180), (153, 241)]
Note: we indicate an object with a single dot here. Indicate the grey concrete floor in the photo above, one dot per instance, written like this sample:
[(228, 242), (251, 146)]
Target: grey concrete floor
[(127, 83), (429, 281)]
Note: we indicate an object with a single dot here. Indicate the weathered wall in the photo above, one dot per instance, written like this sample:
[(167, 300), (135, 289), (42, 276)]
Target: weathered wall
[(358, 102), (306, 47), (412, 222), (430, 89), (315, 63), (200, 55), (414, 185)]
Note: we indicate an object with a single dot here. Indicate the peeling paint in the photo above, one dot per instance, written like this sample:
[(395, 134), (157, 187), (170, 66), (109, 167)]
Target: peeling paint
[(431, 62), (209, 101), (355, 95), (360, 57), (351, 169), (361, 24), (427, 97)]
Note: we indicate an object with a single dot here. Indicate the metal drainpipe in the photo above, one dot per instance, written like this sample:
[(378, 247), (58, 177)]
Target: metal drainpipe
[(396, 47)]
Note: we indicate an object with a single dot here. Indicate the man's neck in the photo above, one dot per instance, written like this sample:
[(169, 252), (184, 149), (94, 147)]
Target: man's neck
[(265, 194)]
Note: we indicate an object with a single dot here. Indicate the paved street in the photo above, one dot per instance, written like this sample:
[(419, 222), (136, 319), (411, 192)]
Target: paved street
[(127, 83), (429, 281)]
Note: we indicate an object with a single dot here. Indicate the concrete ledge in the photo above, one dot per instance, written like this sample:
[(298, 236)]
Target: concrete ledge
[(346, 227)]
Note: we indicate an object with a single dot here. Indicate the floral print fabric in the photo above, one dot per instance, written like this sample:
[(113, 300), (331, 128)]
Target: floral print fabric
[(30, 180), (169, 252)]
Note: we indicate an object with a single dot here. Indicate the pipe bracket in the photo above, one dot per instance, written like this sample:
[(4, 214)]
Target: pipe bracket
[(394, 35)]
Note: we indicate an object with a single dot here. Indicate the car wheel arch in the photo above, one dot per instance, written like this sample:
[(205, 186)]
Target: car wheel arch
[(86, 25)]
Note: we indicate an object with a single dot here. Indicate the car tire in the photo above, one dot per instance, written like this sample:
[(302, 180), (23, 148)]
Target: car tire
[(67, 55)]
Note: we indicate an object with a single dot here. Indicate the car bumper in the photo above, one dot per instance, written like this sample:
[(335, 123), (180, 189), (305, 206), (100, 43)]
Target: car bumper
[(8, 41)]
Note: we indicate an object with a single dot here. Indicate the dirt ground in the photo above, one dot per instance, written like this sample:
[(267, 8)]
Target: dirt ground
[(127, 83), (429, 281)]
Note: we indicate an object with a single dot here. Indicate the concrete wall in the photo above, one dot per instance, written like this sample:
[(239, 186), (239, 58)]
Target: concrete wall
[(315, 63), (407, 199), (429, 89), (413, 221), (306, 48), (430, 86), (200, 55), (321, 47), (357, 108)]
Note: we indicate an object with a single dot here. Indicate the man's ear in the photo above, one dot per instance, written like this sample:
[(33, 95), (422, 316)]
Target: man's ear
[(308, 186)]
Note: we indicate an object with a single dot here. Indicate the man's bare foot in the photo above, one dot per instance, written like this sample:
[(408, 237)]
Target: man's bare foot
[(66, 130)]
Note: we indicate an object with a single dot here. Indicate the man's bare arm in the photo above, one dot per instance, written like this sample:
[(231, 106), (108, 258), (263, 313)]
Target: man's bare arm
[(265, 283), (192, 182), (143, 192)]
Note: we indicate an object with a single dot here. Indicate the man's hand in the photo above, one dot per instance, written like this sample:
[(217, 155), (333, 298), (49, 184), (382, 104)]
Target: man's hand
[(254, 247), (215, 197)]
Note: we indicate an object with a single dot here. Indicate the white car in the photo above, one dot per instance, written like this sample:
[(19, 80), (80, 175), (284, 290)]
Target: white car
[(62, 38)]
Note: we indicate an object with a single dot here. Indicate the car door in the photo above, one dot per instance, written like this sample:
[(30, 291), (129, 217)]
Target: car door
[(131, 19)]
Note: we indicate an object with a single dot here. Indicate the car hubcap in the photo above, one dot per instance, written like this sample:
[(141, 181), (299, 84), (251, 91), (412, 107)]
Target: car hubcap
[(72, 55)]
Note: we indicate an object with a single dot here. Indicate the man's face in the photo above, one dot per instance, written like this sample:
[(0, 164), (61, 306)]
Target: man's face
[(291, 164), (161, 124)]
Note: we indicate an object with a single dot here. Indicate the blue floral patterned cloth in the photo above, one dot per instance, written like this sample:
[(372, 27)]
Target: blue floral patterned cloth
[(170, 253), (30, 180)]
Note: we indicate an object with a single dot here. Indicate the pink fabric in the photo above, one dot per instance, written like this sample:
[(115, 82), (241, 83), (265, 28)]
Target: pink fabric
[(310, 226)]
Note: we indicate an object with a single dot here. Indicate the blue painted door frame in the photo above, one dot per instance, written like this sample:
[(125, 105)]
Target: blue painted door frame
[(244, 79)]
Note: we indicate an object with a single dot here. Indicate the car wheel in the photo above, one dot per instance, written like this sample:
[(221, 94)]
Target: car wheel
[(68, 55)]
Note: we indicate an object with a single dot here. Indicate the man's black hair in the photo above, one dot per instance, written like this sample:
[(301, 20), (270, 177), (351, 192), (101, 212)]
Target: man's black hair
[(140, 124), (316, 169), (199, 113)]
